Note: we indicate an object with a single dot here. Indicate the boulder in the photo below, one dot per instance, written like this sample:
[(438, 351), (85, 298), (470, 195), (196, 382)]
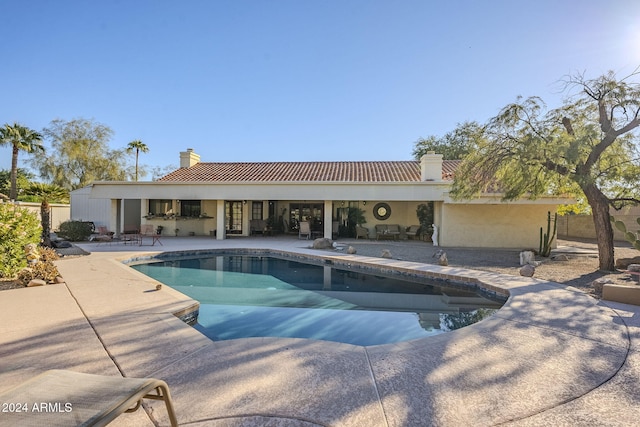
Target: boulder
[(527, 270), (598, 284), (442, 257), (560, 257), (36, 282), (351, 250), (527, 257), (623, 263), (386, 253), (322, 243), (633, 267)]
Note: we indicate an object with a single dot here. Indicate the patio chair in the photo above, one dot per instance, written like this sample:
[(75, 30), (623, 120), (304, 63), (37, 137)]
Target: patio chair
[(73, 398), (362, 232), (304, 230), (147, 230), (104, 235)]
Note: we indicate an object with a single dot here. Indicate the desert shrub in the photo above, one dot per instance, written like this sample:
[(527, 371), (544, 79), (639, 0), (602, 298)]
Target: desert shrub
[(75, 230), (45, 270), (18, 227), (48, 254)]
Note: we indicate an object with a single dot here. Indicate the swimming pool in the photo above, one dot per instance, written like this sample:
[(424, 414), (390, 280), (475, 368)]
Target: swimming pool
[(267, 296)]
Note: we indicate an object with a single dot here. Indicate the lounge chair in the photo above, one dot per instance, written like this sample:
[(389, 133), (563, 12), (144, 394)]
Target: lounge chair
[(65, 398), (304, 230), (104, 235)]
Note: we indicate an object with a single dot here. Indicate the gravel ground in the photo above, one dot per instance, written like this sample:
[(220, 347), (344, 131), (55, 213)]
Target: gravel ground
[(565, 266)]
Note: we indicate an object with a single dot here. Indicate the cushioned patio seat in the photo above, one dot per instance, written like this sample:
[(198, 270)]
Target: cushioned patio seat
[(66, 398)]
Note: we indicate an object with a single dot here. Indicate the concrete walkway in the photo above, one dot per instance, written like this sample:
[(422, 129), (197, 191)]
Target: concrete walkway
[(551, 356)]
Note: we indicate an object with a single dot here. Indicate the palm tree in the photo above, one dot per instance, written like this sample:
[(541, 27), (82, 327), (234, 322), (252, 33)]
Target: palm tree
[(138, 146), (47, 193), (21, 138)]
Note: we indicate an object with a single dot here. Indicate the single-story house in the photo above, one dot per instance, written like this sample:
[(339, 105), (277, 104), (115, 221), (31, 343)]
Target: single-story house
[(228, 199)]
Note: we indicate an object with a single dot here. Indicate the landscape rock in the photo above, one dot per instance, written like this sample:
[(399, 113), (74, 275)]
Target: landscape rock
[(633, 267), (386, 253), (351, 250), (527, 270), (623, 263), (560, 257), (599, 283), (527, 257), (58, 279), (442, 257), (36, 282), (322, 243)]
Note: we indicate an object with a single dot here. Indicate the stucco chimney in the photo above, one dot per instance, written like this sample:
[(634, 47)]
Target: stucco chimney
[(188, 158), (431, 166)]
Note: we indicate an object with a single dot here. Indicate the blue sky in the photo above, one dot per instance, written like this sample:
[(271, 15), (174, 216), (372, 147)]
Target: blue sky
[(280, 80)]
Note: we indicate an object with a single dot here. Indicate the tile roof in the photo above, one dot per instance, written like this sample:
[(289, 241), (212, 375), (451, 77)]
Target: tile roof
[(374, 171)]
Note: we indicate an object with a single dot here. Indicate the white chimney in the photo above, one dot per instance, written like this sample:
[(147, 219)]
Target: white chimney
[(188, 158), (431, 166)]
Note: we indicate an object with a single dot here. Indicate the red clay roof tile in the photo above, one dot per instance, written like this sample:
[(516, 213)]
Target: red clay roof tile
[(374, 171)]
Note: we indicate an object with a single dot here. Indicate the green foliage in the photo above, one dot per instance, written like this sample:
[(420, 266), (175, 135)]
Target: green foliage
[(628, 235), (18, 227), (424, 212), (355, 217), (586, 148), (454, 145), (20, 138), (79, 155), (23, 178), (138, 147), (546, 239), (75, 231)]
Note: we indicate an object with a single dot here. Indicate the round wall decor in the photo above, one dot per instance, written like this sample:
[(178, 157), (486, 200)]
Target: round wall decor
[(381, 211)]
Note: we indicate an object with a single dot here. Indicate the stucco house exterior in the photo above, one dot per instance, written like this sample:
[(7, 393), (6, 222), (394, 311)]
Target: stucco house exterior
[(221, 200)]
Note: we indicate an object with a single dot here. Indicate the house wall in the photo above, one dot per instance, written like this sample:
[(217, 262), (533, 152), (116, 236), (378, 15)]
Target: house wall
[(492, 225), (84, 208)]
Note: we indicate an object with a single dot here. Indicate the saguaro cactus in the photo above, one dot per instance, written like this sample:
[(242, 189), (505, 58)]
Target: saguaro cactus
[(546, 239)]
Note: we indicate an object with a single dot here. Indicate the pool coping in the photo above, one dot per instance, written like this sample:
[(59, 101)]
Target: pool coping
[(500, 368)]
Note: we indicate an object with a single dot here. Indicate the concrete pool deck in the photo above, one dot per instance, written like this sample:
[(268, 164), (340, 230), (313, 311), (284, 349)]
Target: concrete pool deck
[(551, 356)]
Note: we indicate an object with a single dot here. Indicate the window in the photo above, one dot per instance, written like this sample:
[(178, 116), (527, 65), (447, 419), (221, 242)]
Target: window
[(256, 210), (160, 207), (190, 208)]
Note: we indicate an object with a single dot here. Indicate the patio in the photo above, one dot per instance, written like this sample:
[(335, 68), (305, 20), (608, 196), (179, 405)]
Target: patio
[(550, 356)]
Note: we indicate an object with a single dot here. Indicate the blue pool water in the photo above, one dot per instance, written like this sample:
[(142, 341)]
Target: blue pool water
[(255, 296)]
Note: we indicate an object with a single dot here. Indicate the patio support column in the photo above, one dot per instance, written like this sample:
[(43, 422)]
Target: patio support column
[(220, 232), (113, 218), (120, 214), (328, 218)]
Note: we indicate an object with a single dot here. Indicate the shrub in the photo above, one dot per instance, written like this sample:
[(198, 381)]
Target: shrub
[(18, 227), (45, 270), (75, 230)]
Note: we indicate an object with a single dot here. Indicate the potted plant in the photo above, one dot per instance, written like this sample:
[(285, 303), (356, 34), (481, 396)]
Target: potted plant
[(424, 212), (159, 230)]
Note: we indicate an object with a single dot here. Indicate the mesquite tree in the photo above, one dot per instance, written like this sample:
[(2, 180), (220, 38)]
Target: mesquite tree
[(586, 147)]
